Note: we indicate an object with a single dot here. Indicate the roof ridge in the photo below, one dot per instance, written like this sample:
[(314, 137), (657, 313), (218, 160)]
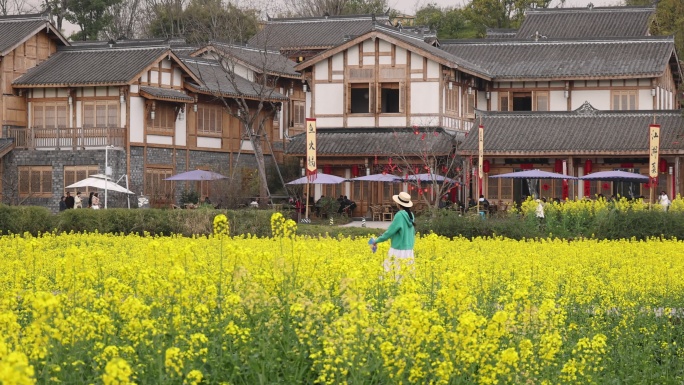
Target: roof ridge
[(577, 113), (568, 41), (363, 17), (77, 49), (24, 17), (245, 47), (592, 9)]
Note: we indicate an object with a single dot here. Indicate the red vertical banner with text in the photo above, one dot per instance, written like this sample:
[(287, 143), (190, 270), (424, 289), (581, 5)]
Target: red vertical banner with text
[(480, 156), (311, 165), (653, 152)]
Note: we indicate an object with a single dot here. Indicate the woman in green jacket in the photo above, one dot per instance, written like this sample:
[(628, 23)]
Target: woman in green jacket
[(401, 233)]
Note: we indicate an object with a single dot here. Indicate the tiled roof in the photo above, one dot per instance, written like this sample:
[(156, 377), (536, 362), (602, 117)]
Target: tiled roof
[(259, 59), (501, 33), (73, 66), (581, 23), (320, 32), (166, 94), (566, 59), (14, 29), (583, 131), (374, 141), (216, 80)]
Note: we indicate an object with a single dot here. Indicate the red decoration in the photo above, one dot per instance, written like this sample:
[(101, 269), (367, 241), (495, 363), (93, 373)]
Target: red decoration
[(355, 171), (422, 137), (327, 169), (606, 186), (587, 166), (587, 188), (545, 187), (626, 165), (444, 169), (662, 166), (526, 166), (647, 185), (558, 167), (565, 189), (485, 166)]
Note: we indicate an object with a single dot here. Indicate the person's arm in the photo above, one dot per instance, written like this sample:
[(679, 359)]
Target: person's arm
[(391, 230)]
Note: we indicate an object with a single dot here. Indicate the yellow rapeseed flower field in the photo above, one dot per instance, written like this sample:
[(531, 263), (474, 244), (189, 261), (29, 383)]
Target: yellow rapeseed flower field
[(105, 309)]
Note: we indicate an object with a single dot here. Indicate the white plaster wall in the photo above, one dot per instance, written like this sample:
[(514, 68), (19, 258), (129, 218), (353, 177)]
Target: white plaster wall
[(557, 101), (134, 88), (392, 121), (329, 122), (481, 100), (181, 130), (338, 77), (353, 55), (433, 69), (166, 63), (385, 60), (88, 92), (247, 146), (154, 77), (137, 122), (416, 61), (368, 46), (338, 62), (368, 60), (494, 102), (143, 77), (360, 121), (645, 100), (166, 79), (177, 77), (160, 139), (385, 46), (50, 92), (321, 70), (424, 97), (401, 55), (208, 142), (79, 112), (62, 92), (425, 121), (599, 99), (416, 76), (100, 91), (329, 98), (242, 71), (307, 105)]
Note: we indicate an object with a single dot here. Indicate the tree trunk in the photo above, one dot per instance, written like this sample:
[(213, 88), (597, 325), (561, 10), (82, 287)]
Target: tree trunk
[(261, 164)]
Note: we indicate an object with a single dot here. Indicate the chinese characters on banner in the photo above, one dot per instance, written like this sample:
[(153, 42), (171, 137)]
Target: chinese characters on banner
[(480, 152), (653, 151), (311, 167)]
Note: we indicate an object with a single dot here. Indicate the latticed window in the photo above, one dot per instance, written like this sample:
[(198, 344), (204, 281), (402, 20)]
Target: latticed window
[(298, 113), (35, 181), (164, 118), (624, 100), (209, 119), (452, 99), (49, 115), (102, 113), (73, 174)]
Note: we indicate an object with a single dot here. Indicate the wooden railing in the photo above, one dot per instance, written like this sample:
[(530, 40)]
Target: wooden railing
[(67, 138)]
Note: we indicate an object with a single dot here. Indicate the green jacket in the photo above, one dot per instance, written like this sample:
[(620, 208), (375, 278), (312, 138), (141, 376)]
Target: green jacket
[(401, 232)]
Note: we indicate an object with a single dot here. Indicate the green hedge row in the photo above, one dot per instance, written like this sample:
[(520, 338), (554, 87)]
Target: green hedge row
[(607, 225), (34, 220)]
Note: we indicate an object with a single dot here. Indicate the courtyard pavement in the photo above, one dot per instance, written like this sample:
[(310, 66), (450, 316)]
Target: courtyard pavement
[(369, 224)]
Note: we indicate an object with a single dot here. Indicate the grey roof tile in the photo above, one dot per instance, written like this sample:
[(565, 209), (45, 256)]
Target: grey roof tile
[(165, 93), (14, 29), (583, 131), (501, 33), (216, 80), (91, 66), (586, 23), (317, 32), (566, 59), (374, 141), (259, 59)]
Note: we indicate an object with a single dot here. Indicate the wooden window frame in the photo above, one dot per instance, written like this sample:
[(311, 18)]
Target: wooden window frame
[(535, 100), (204, 125), (164, 112), (504, 100), (623, 93), (154, 178), (298, 113), (79, 173), (367, 86), (451, 100), (111, 117), (400, 101), (469, 103), (42, 188), (41, 109)]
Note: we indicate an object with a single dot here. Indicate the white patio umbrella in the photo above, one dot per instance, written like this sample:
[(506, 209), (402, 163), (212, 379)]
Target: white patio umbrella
[(100, 183), (378, 178), (320, 179)]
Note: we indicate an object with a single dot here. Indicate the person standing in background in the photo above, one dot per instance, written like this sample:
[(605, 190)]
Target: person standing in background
[(78, 203), (69, 201)]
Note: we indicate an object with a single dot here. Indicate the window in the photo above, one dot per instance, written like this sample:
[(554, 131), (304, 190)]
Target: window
[(389, 98), (49, 115), (522, 101), (542, 100), (360, 98), (624, 100), (104, 113), (35, 181), (452, 100), (298, 113), (469, 103), (73, 174), (209, 119), (503, 101), (164, 118), (159, 190)]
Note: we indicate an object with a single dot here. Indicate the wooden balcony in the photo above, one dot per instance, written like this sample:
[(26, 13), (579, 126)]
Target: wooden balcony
[(67, 138)]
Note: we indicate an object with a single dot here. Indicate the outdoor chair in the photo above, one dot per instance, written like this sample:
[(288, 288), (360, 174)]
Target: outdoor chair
[(376, 210)]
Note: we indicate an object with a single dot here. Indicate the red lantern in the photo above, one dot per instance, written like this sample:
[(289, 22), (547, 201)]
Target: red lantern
[(444, 169), (559, 166), (526, 166), (485, 166), (662, 166), (545, 187), (327, 169), (587, 188), (587, 166), (355, 171), (606, 186)]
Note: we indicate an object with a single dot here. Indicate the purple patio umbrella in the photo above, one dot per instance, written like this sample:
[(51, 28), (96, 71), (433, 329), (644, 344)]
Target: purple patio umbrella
[(197, 175), (378, 178), (616, 176), (427, 178), (320, 179), (533, 174)]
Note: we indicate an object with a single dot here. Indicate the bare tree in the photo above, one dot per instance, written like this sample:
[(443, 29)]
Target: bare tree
[(14, 7), (126, 20), (316, 8)]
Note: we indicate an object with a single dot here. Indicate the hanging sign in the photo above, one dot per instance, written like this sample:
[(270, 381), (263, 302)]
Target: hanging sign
[(311, 166), (653, 150)]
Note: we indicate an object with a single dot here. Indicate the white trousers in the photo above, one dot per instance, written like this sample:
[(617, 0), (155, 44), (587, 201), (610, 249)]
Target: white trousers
[(395, 259)]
